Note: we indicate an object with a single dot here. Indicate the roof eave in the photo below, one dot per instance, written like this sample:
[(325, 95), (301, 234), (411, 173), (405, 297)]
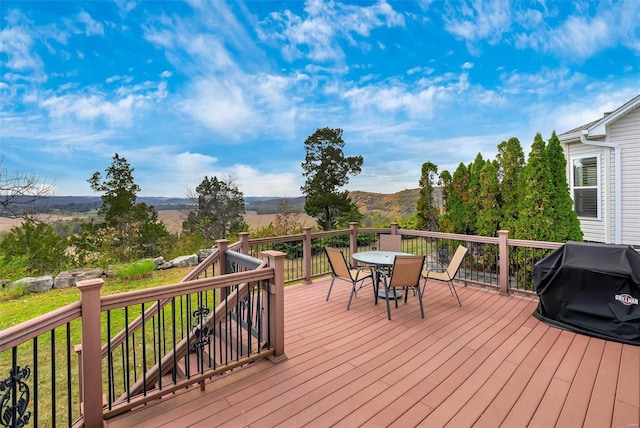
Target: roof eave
[(599, 127), (572, 137)]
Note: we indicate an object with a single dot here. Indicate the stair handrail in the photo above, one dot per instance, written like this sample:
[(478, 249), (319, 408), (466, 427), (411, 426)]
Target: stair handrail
[(119, 338), (180, 349)]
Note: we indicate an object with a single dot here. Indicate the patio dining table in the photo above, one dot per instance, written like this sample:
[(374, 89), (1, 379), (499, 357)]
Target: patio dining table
[(380, 259)]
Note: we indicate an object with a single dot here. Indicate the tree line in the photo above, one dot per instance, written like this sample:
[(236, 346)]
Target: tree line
[(530, 199)]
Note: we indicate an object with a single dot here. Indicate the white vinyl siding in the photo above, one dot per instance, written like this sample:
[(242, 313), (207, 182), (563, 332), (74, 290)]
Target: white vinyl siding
[(626, 133)]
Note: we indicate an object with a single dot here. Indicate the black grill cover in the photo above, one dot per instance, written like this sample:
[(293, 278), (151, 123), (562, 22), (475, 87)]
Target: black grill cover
[(591, 289)]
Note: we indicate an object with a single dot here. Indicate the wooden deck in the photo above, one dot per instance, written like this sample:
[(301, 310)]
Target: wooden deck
[(487, 364)]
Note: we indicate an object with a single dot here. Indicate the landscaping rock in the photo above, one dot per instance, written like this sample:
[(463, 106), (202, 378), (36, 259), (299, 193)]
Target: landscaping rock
[(203, 254), (165, 265), (185, 261), (34, 285), (71, 277)]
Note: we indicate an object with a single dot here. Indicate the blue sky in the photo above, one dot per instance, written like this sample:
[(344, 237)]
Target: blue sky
[(233, 89)]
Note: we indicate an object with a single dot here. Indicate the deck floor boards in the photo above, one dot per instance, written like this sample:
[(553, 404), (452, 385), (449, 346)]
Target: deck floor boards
[(488, 363)]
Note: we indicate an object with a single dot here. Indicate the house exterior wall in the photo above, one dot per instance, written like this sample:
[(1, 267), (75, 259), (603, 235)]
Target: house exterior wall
[(626, 132)]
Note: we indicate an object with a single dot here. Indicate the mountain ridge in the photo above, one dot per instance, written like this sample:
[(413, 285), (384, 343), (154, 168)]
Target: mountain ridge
[(386, 205)]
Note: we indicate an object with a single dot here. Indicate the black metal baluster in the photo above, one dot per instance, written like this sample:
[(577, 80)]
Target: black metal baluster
[(268, 315), (153, 329), (162, 337), (159, 350), (127, 369), (15, 390), (144, 354), (110, 380), (53, 376), (173, 329), (134, 354), (35, 381), (238, 323), (69, 401), (187, 366), (211, 346)]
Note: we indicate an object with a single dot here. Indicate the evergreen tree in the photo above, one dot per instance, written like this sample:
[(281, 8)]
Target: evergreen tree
[(536, 211), (510, 164), (327, 170), (445, 181), (457, 219), (119, 189), (427, 212), (128, 230), (488, 201), (566, 223), (472, 204), (217, 210)]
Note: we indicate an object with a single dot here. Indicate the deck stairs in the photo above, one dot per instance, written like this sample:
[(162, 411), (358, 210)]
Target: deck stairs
[(219, 341)]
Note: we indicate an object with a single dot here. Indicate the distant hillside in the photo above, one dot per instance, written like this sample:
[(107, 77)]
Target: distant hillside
[(377, 206), (271, 205), (392, 207)]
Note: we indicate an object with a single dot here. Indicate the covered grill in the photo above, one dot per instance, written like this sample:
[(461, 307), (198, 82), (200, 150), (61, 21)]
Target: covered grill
[(592, 289)]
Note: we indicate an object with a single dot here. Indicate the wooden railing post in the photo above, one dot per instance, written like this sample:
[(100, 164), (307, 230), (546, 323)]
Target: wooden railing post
[(244, 242), (394, 228), (504, 261), (91, 351), (353, 240), (307, 255), (275, 259), (223, 245)]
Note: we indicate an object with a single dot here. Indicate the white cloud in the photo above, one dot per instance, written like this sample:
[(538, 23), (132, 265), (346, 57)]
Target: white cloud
[(479, 20), (579, 37), (317, 36), (182, 172), (394, 99), (221, 105), (17, 42), (92, 107), (92, 28), (546, 82)]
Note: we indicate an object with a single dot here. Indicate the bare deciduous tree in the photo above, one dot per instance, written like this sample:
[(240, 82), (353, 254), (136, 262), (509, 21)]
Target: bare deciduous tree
[(19, 191)]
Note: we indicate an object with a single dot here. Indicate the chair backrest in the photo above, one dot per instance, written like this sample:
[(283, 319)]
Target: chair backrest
[(338, 262), (456, 261), (391, 242), (407, 271)]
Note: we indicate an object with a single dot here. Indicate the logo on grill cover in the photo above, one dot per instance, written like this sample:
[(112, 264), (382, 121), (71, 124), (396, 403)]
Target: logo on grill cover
[(626, 299)]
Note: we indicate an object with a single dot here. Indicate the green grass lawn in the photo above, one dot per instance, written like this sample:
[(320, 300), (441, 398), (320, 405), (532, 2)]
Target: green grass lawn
[(33, 305)]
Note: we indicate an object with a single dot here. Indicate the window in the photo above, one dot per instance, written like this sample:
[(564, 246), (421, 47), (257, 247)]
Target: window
[(586, 185)]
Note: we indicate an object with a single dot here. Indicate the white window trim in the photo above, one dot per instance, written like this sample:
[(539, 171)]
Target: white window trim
[(598, 185)]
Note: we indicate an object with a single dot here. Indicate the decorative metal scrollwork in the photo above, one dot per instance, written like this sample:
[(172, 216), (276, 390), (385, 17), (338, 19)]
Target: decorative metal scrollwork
[(14, 389), (200, 331)]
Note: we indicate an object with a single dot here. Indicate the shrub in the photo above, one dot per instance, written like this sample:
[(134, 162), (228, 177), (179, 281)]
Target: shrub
[(32, 247)]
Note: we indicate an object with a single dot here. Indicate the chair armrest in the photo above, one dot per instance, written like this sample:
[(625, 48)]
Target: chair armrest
[(363, 268)]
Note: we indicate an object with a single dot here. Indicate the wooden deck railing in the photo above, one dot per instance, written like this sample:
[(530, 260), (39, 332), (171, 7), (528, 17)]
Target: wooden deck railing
[(497, 262)]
